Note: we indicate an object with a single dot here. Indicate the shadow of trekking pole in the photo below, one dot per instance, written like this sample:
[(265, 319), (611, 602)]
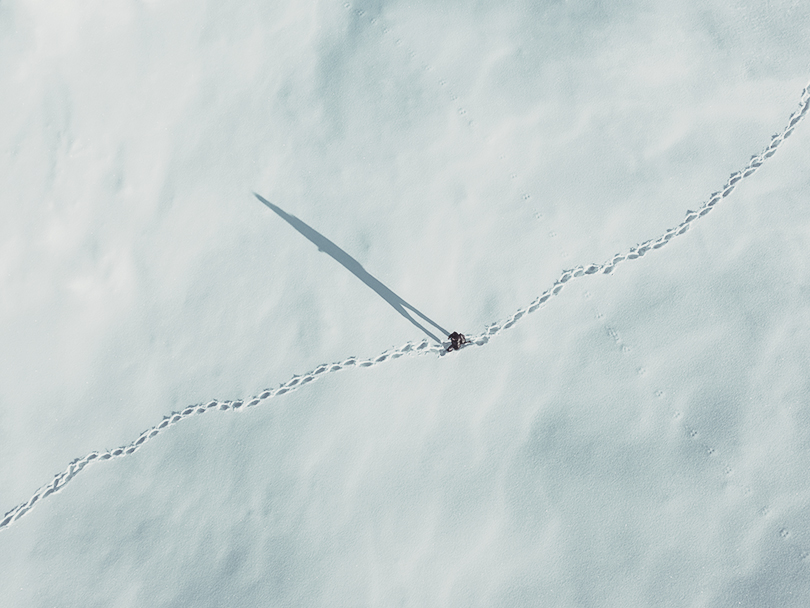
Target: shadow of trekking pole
[(353, 266)]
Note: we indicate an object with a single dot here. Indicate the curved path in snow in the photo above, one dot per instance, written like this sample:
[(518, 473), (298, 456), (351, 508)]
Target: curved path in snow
[(414, 348)]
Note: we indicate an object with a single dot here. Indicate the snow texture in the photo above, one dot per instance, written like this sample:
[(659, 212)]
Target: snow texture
[(641, 439)]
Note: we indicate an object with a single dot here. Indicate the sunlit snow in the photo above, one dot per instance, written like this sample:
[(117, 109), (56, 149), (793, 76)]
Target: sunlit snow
[(200, 408)]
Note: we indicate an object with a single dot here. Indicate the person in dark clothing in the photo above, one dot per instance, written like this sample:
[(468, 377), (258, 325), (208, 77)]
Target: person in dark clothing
[(456, 340)]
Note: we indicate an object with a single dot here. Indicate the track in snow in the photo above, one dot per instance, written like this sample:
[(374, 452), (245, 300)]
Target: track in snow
[(415, 348)]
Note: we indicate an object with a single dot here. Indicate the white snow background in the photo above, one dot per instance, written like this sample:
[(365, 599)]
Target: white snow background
[(640, 439)]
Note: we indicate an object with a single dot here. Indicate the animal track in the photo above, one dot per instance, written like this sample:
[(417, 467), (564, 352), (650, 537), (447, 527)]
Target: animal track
[(426, 67), (694, 435)]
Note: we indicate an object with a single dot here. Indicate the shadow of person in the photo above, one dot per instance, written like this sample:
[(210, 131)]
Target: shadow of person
[(353, 266)]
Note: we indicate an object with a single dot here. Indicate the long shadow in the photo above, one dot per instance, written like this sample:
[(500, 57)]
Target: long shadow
[(353, 266)]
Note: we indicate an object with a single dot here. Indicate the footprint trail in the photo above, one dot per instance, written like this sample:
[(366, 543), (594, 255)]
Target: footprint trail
[(414, 348)]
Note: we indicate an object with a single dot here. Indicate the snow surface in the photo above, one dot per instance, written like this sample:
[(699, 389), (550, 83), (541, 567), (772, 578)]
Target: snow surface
[(641, 438)]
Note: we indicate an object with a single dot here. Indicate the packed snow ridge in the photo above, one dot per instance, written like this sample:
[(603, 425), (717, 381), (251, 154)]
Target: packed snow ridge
[(416, 348)]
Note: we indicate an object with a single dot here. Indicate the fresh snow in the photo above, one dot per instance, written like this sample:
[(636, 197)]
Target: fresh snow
[(589, 191)]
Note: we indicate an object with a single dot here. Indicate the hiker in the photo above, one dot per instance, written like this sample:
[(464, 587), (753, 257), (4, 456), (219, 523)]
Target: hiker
[(456, 340)]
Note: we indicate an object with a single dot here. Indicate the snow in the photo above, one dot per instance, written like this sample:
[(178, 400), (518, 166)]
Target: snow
[(640, 438)]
